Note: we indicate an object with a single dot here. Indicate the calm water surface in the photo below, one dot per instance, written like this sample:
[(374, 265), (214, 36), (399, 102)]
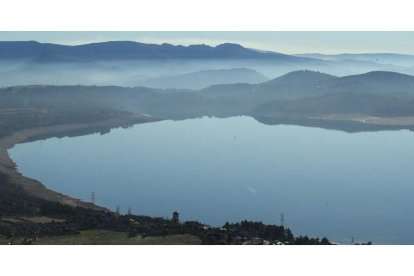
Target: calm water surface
[(327, 183)]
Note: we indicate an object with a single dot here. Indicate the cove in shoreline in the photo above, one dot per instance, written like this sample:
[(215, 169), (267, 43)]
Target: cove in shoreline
[(36, 188)]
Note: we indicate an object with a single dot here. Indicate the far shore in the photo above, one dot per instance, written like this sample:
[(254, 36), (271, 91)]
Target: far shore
[(34, 187), (349, 123), (382, 121)]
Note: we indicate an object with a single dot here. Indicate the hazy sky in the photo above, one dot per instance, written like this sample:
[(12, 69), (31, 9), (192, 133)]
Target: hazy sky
[(286, 42)]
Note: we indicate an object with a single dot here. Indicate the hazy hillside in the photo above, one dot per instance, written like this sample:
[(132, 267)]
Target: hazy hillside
[(302, 92), (341, 103), (379, 58), (386, 83), (295, 84), (307, 83), (205, 78), (289, 86)]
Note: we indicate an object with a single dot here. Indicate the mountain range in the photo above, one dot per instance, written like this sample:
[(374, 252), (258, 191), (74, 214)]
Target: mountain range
[(127, 63), (124, 50)]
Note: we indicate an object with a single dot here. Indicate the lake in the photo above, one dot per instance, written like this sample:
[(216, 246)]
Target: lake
[(325, 182)]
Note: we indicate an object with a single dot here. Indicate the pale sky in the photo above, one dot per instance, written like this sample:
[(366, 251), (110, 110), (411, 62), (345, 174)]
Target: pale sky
[(285, 42)]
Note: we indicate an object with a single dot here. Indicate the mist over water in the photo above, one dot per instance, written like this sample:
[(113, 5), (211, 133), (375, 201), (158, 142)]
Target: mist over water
[(216, 170)]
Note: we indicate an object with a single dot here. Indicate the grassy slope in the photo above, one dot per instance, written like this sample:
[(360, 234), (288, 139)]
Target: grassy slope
[(104, 237)]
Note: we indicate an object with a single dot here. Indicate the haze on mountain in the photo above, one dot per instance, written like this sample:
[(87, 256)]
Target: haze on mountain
[(378, 58), (205, 78), (127, 63), (297, 97), (177, 82)]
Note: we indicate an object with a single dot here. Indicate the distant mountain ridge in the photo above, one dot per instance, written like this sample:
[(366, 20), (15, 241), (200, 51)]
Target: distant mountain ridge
[(136, 50)]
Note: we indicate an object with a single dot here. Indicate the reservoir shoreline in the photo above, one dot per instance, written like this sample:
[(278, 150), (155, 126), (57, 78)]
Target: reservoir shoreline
[(35, 187), (132, 155)]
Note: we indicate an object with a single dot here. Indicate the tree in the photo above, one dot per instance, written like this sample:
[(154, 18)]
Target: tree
[(325, 241), (175, 217), (226, 225)]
